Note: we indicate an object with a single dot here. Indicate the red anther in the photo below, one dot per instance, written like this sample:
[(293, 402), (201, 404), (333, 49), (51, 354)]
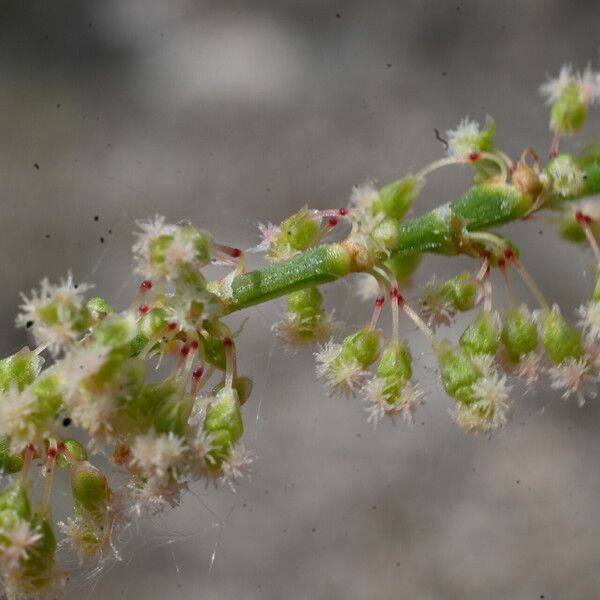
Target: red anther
[(501, 263), (509, 254), (474, 156), (583, 218), (145, 285), (553, 153), (197, 373), (333, 221), (486, 254), (397, 296), (236, 252), (379, 301), (227, 341), (343, 212), (185, 350), (52, 453), (172, 326), (143, 309), (194, 344)]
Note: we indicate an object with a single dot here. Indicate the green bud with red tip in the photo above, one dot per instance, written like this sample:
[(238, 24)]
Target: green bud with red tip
[(482, 336), (561, 340), (70, 452), (362, 346), (519, 334)]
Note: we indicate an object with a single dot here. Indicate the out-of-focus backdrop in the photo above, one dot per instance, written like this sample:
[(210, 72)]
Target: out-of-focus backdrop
[(231, 112)]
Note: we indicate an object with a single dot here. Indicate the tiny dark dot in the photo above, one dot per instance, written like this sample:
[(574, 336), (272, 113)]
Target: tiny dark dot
[(102, 240), (84, 116), (542, 596), (89, 24), (36, 166), (96, 217), (313, 530), (444, 73), (338, 15), (110, 231), (389, 65), (540, 232), (518, 481), (76, 285), (58, 106), (29, 324), (397, 564), (66, 421), (47, 236), (374, 507)]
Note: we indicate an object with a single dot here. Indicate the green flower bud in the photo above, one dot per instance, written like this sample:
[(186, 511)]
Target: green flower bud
[(38, 565), (298, 232), (569, 227), (457, 372), (561, 341), (396, 198), (100, 306), (173, 414), (15, 499), (482, 336), (305, 303), (242, 385), (403, 266), (76, 450), (214, 352), (519, 334), (48, 389), (115, 331), (387, 234), (20, 369), (90, 489), (460, 291), (569, 111), (362, 346), (189, 281), (395, 362), (223, 421), (9, 461)]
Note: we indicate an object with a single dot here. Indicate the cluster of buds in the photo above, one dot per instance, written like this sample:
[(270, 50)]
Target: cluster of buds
[(167, 428)]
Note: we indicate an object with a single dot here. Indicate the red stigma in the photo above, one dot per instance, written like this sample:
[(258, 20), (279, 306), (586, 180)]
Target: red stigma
[(379, 301), (227, 342), (185, 350), (583, 218), (486, 254), (143, 309), (512, 169), (197, 373), (194, 344), (61, 446), (145, 285), (509, 254), (553, 153), (172, 326), (333, 221), (52, 453), (236, 252), (397, 296), (474, 156), (343, 212), (501, 263)]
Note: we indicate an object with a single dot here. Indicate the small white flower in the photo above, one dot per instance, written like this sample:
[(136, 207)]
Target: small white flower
[(16, 410), (236, 465), (435, 309), (268, 235), (575, 377), (589, 320), (298, 331), (344, 376), (381, 403), (86, 542), (154, 495), (588, 84), (567, 179), (80, 363), (490, 408), (463, 140), (52, 312), (529, 368), (157, 454), (19, 539), (362, 200), (93, 412)]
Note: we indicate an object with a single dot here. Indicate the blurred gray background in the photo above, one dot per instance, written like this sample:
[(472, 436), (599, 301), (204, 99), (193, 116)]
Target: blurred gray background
[(231, 112)]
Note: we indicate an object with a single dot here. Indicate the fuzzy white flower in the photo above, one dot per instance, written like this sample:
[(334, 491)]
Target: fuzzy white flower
[(17, 540), (53, 313), (79, 534), (589, 320), (361, 204), (490, 408), (16, 410), (94, 414), (465, 139), (268, 235), (567, 179), (236, 465), (435, 309), (298, 331), (157, 454), (529, 368), (587, 84), (80, 363), (575, 377), (381, 403), (154, 495), (342, 375), (366, 287)]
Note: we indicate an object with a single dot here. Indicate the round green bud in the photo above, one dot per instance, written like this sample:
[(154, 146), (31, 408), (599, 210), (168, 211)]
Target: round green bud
[(202, 242), (403, 266), (99, 306), (457, 372), (305, 303), (39, 562), (153, 322), (9, 462), (461, 291), (77, 453), (396, 198), (570, 229), (48, 389), (519, 334), (242, 385), (300, 231), (214, 352), (90, 489), (561, 341), (173, 414), (362, 346), (114, 331), (482, 336), (189, 280), (15, 499), (20, 369), (224, 413), (568, 113), (395, 362)]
